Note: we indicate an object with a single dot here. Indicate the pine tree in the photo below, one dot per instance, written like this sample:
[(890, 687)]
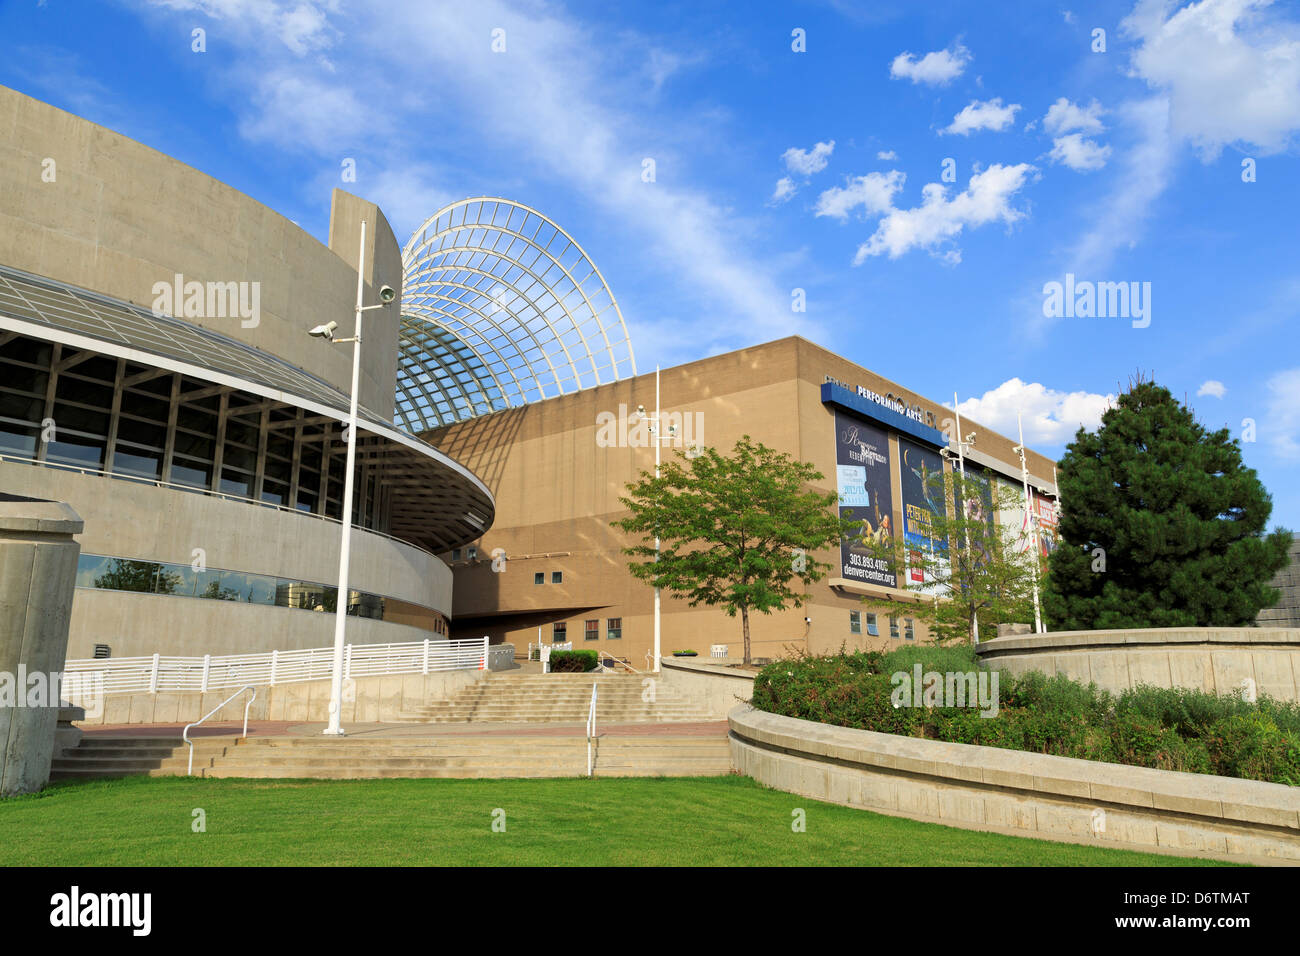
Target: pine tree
[(1161, 524)]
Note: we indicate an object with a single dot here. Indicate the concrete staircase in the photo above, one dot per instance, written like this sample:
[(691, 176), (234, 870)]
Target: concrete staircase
[(463, 756), (516, 698)]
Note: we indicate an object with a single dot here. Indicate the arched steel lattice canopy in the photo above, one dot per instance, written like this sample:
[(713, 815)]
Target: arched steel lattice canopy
[(500, 307)]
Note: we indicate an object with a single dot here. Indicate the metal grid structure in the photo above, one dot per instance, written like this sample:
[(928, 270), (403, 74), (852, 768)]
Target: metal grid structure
[(500, 307)]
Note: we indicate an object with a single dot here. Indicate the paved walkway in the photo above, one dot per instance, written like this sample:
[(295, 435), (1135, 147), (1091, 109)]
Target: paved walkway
[(281, 728)]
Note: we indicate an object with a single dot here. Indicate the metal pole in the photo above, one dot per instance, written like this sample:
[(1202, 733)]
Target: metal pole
[(657, 437), (1033, 525), (961, 462), (341, 604)]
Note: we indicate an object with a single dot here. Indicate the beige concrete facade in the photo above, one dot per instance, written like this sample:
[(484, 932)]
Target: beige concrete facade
[(1219, 660), (557, 489), (119, 217)]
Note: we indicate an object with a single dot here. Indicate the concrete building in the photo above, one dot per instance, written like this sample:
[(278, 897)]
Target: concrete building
[(1286, 613), (557, 468), (157, 375)]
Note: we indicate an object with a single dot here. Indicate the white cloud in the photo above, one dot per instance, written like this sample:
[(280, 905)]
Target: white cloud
[(1081, 155), (935, 69), (1144, 174), (571, 125), (874, 192), (1050, 417), (888, 155), (785, 188), (1282, 425), (805, 162), (1230, 70), (983, 114), (987, 198), (1064, 117), (1212, 387), (1068, 16)]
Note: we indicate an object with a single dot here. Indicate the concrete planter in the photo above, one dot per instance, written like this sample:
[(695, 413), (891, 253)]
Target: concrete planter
[(1025, 794)]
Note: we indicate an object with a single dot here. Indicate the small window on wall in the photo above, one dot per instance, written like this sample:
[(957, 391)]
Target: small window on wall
[(908, 631), (872, 628), (557, 577), (893, 626), (855, 622), (455, 554), (591, 630), (539, 577), (559, 632), (614, 629)]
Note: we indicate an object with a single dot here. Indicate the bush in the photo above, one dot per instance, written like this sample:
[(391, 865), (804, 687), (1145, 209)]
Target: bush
[(1163, 728), (571, 662)]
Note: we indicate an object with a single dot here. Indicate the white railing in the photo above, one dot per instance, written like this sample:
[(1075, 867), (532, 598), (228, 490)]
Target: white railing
[(591, 725), (160, 673), (535, 648), (719, 650), (185, 734)]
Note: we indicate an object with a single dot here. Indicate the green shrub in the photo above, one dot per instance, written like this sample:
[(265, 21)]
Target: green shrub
[(1167, 729), (572, 661), (1253, 746)]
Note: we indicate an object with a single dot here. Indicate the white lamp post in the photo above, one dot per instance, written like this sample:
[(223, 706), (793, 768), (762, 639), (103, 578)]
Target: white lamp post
[(326, 332), (1033, 523), (656, 437), (962, 442)]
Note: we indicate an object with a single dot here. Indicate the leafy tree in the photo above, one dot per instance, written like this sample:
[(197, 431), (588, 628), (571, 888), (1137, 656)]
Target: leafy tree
[(984, 573), (736, 531), (1161, 524)]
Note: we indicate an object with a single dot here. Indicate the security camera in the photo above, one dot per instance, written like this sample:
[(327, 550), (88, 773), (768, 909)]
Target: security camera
[(1018, 449), (640, 411), (325, 331), (386, 294), (970, 439)]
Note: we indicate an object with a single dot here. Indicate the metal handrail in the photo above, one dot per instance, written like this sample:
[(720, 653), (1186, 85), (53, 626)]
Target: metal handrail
[(175, 486), (185, 734), (591, 725), (621, 663)]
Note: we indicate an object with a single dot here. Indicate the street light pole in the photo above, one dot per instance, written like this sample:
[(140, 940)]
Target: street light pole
[(1033, 524), (386, 295), (658, 648), (961, 464)]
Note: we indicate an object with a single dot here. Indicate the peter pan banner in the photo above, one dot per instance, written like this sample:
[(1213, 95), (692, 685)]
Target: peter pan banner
[(923, 501), (862, 479)]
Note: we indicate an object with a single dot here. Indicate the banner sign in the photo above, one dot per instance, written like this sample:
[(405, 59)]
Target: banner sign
[(862, 480)]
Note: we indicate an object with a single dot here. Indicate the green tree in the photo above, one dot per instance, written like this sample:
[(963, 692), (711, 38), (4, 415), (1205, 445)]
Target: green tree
[(1161, 524), (735, 531), (984, 573)]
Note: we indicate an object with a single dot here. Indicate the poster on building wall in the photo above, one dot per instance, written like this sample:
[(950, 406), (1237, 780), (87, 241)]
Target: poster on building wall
[(924, 500), (977, 506), (862, 480), (1048, 523)]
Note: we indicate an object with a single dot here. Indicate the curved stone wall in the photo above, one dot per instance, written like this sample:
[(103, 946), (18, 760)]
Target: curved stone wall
[(1025, 794), (118, 217), (159, 524), (1215, 659)]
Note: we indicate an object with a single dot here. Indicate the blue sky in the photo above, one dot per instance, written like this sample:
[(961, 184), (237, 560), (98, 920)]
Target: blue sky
[(1115, 165)]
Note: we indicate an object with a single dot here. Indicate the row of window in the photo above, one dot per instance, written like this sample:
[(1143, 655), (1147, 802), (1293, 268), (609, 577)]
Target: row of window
[(590, 629), (77, 409), (105, 573), (855, 626)]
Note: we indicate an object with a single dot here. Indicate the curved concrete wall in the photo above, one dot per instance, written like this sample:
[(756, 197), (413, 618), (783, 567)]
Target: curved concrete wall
[(716, 687), (133, 520), (1215, 659), (1025, 794), (120, 216)]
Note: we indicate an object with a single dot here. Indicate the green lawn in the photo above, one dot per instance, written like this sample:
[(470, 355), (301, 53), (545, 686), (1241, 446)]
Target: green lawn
[(721, 821)]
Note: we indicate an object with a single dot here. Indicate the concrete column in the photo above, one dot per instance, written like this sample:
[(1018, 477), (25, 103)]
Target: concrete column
[(38, 571)]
